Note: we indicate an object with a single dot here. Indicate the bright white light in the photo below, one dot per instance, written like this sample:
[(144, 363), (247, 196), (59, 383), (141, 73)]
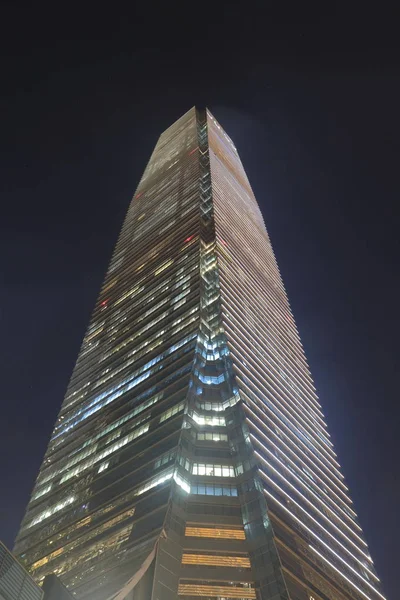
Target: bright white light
[(51, 510), (307, 500), (297, 466), (315, 520), (208, 420), (181, 482), (344, 576), (309, 458), (313, 532)]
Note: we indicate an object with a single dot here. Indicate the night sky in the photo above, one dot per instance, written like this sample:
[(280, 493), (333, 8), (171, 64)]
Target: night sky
[(313, 106)]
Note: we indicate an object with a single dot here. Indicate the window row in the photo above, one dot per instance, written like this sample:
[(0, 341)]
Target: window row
[(216, 560), (213, 470), (215, 437), (207, 420), (166, 458), (211, 489), (122, 387), (174, 410), (215, 532)]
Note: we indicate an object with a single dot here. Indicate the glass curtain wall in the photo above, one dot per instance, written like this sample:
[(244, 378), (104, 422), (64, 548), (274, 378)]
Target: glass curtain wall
[(191, 458)]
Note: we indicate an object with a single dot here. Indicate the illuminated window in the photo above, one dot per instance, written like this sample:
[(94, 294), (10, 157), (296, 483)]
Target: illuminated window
[(166, 458), (84, 537), (180, 303), (151, 483), (216, 406), (182, 482), (110, 450), (210, 380), (213, 470), (174, 410), (215, 532), (94, 334), (233, 590), (217, 560), (46, 559), (51, 510), (163, 267), (212, 436), (117, 390), (128, 294), (41, 492), (210, 489), (207, 420)]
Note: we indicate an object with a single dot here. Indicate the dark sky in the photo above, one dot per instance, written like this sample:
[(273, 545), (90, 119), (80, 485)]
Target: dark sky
[(313, 105)]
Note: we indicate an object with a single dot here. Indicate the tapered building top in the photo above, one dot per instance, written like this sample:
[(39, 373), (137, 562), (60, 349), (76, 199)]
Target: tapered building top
[(191, 458)]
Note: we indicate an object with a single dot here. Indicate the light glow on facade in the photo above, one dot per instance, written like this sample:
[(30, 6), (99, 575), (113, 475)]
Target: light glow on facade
[(191, 458)]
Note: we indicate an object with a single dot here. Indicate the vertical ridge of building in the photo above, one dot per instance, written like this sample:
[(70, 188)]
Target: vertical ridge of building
[(191, 458)]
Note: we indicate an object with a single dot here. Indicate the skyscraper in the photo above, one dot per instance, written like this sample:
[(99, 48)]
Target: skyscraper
[(190, 458)]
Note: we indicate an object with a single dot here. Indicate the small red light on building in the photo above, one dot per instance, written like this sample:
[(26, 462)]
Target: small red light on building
[(192, 151), (189, 238), (139, 194), (104, 303)]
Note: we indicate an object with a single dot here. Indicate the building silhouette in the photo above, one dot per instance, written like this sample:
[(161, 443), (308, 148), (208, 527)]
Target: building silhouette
[(190, 458)]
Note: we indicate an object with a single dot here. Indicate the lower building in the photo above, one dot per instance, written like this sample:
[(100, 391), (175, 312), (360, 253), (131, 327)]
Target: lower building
[(15, 581), (55, 590)]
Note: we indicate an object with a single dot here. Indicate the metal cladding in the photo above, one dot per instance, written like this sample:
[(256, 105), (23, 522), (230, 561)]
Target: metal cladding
[(15, 582), (190, 458)]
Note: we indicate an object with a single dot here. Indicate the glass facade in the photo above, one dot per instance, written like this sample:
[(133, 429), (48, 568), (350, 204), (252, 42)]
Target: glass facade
[(190, 458)]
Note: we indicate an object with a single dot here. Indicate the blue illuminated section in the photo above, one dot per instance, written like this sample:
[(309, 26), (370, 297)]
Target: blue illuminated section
[(115, 392)]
